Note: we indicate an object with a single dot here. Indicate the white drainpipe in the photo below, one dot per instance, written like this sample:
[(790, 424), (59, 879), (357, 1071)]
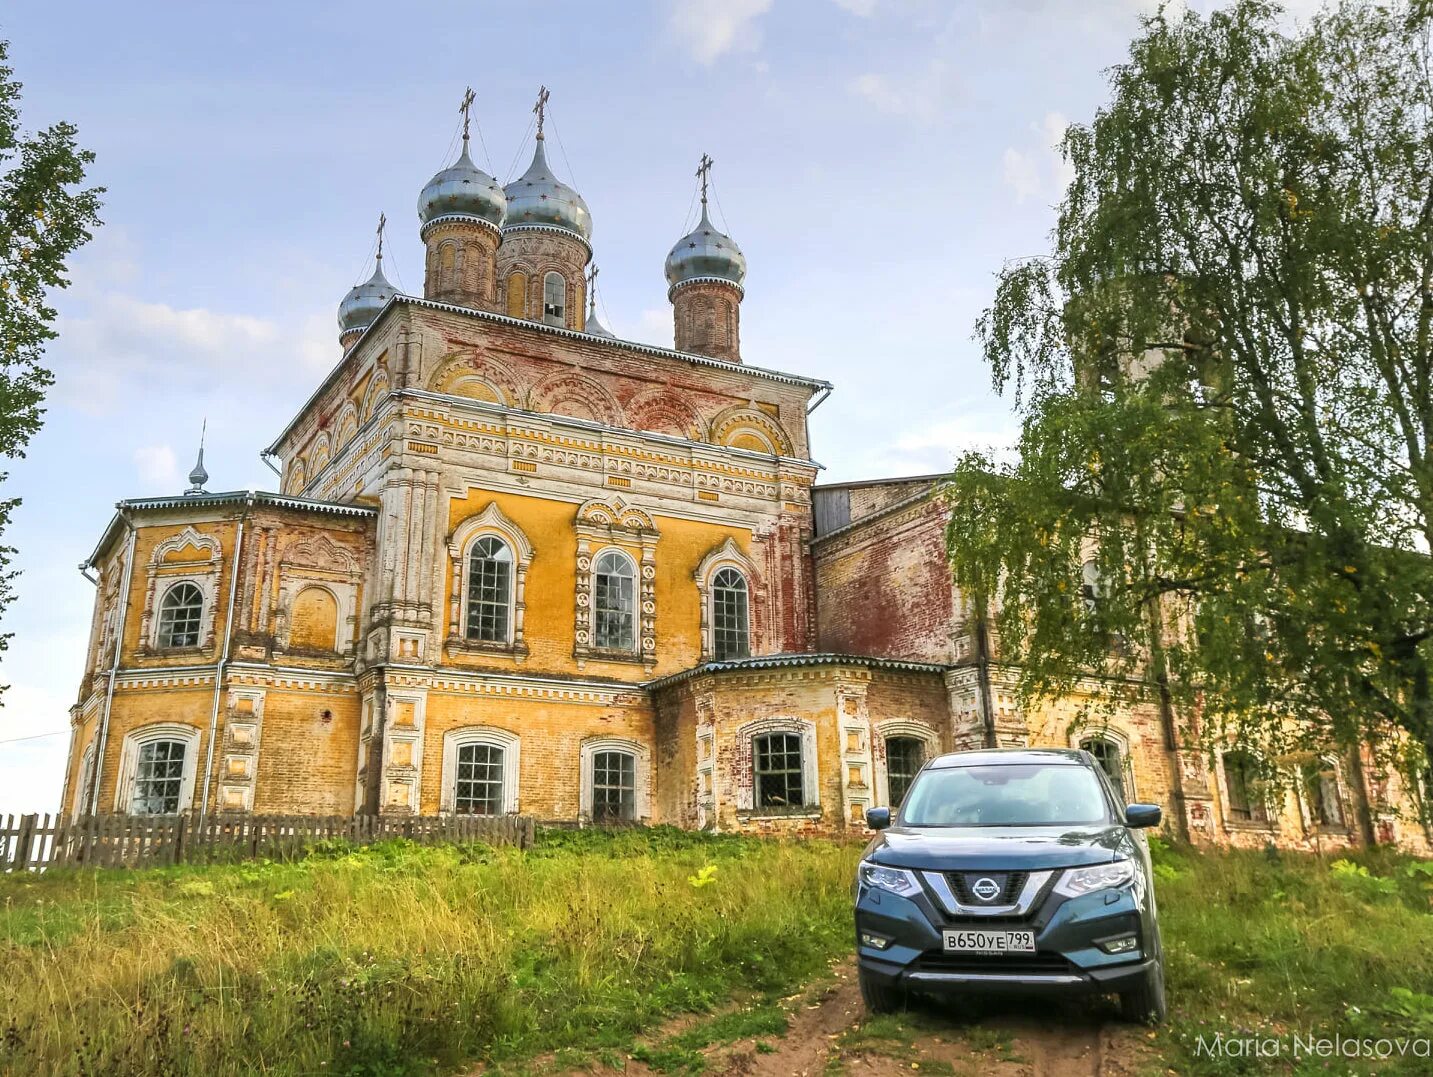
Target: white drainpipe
[(223, 656), (93, 806)]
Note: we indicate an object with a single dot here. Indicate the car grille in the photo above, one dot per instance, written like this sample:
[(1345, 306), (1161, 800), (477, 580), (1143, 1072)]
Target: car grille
[(960, 883), (938, 961)]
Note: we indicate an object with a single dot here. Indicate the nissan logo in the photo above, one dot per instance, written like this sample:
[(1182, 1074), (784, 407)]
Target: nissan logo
[(986, 889)]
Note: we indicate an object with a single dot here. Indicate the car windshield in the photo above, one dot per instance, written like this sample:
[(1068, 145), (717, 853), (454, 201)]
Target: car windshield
[(1021, 794)]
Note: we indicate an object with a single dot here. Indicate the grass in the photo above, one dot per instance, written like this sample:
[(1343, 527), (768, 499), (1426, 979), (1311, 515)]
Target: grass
[(1281, 944), (399, 959)]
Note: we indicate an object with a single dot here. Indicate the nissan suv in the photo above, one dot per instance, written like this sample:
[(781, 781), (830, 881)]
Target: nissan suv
[(1010, 870)]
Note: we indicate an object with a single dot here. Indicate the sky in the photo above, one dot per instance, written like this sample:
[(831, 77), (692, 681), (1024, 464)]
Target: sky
[(877, 160)]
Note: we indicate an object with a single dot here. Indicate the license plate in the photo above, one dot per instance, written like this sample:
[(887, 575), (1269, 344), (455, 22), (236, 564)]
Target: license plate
[(990, 942)]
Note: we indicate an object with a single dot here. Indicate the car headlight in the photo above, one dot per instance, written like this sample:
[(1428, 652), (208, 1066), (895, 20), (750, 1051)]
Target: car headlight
[(896, 880), (1077, 881)]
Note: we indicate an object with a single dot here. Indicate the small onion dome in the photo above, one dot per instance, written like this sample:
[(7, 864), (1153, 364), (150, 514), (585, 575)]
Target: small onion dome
[(595, 328), (538, 198), (364, 301), (462, 190), (705, 254)]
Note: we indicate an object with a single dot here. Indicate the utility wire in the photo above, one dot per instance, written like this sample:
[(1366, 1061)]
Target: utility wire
[(34, 736)]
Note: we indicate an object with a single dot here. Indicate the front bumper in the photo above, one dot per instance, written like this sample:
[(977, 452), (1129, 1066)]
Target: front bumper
[(1067, 932)]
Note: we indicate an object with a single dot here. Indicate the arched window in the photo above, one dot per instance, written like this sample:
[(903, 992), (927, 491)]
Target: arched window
[(490, 576), (777, 770), (179, 615), (614, 787), (517, 295), (731, 636), (478, 784), (904, 758), (1321, 794), (554, 299), (159, 777), (1245, 788), (614, 602), (1111, 760)]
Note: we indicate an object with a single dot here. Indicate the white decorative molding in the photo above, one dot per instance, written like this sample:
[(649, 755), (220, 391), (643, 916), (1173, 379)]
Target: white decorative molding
[(161, 575), (402, 779), (898, 727), (641, 780), (726, 555), (239, 766), (616, 524), (511, 745), (745, 797), (318, 562)]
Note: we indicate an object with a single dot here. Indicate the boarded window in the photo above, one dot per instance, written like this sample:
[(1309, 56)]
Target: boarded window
[(314, 622), (517, 295)]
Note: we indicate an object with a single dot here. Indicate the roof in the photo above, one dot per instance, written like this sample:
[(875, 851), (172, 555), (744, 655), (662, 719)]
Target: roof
[(230, 497), (816, 384), (1009, 757), (894, 480), (794, 661)]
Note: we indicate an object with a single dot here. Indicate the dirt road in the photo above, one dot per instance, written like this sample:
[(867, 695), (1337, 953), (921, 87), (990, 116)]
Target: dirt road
[(829, 1033)]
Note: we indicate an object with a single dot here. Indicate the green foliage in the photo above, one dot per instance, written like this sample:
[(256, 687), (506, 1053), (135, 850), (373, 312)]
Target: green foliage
[(397, 958), (1225, 375), (44, 218)]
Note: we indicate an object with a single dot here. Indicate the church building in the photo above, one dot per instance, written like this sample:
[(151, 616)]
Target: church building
[(518, 565)]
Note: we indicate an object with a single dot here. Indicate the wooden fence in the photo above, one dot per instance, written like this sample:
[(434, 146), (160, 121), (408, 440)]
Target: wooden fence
[(35, 842)]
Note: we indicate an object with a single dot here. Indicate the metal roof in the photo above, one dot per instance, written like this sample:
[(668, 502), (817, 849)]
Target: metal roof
[(230, 497), (785, 661)]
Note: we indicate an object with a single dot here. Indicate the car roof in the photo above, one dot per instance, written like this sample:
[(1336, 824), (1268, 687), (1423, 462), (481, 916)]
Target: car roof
[(986, 757)]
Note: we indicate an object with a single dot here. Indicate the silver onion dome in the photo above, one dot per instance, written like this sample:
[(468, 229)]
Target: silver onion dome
[(364, 301), (595, 328), (704, 253), (537, 197), (463, 190)]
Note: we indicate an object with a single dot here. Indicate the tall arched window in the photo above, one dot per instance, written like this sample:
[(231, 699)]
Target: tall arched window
[(159, 778), (614, 787), (1321, 793), (904, 758), (614, 602), (179, 615), (490, 575), (1111, 760), (517, 295), (478, 784), (554, 299), (731, 636)]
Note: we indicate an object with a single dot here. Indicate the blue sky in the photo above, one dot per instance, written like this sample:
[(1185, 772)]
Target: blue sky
[(877, 160)]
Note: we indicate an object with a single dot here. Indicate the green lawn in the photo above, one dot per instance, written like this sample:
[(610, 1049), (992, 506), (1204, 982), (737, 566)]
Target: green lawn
[(403, 959)]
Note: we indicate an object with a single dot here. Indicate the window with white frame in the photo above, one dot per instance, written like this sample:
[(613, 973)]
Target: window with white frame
[(614, 602), (904, 758), (554, 299), (731, 633), (180, 613), (778, 773), (86, 782), (478, 785), (1321, 794), (480, 771), (1244, 788), (490, 590), (614, 786), (158, 764), (1113, 761), (1091, 587)]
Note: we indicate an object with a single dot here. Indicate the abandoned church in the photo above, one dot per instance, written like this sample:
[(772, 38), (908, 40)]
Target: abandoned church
[(518, 565)]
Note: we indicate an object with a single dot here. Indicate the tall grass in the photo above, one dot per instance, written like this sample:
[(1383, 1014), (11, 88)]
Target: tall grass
[(399, 959)]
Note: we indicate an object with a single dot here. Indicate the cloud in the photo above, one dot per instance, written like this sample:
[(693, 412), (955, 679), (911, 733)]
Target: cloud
[(918, 96), (935, 446), (1042, 169), (863, 8), (709, 29), (655, 326), (157, 466)]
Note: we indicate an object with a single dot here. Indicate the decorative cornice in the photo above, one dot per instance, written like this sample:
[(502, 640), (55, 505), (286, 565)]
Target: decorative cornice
[(455, 218), (552, 229), (794, 661), (674, 289)]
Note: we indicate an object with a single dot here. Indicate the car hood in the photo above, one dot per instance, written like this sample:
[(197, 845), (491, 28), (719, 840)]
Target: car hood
[(1016, 848)]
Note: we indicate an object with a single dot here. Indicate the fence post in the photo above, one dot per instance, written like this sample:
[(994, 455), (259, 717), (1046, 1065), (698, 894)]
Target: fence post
[(23, 840)]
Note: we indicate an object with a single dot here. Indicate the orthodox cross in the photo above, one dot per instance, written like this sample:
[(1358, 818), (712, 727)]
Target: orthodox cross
[(703, 171), (382, 224), (541, 107), (592, 288), (466, 108)]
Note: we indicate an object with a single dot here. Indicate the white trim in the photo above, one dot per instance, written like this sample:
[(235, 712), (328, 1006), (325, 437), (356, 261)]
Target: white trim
[(490, 521), (162, 576), (1270, 822), (726, 555), (746, 757), (642, 774), (134, 740), (509, 743), (1330, 763), (899, 727), (86, 782), (1121, 741), (597, 646)]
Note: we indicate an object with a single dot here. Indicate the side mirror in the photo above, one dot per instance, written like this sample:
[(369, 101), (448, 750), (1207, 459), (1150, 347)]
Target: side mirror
[(880, 818), (1139, 816)]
